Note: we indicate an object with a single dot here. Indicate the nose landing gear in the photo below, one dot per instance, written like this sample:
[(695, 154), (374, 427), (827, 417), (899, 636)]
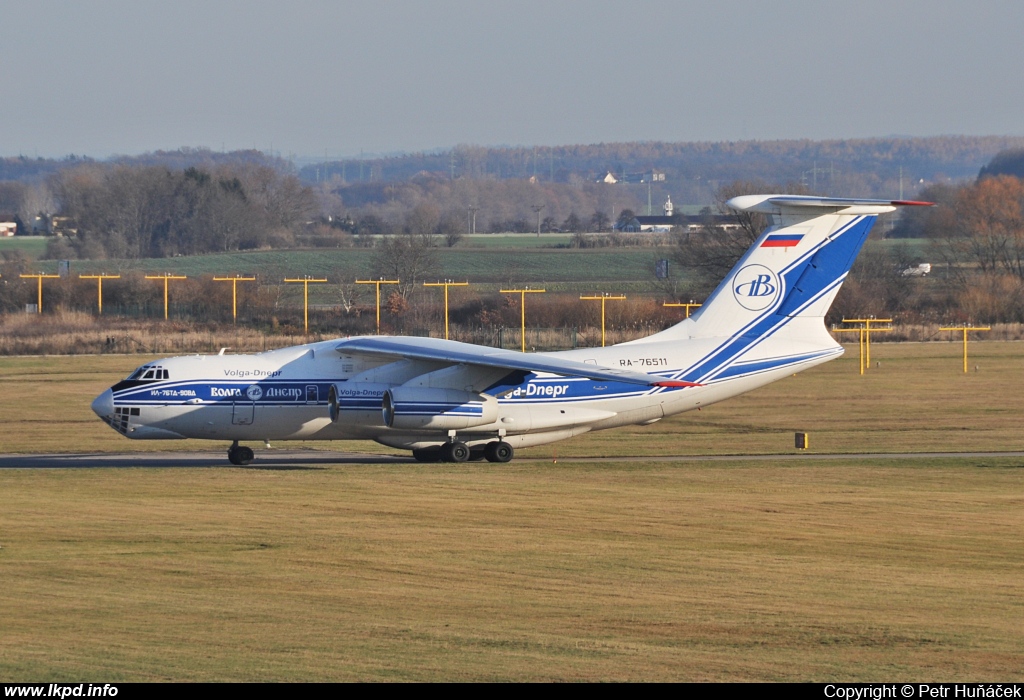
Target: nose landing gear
[(239, 455)]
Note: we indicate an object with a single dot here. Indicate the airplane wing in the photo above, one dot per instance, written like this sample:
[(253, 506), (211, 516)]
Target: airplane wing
[(439, 350)]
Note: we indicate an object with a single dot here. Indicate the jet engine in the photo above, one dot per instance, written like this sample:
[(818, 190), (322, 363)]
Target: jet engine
[(415, 408), (356, 402)]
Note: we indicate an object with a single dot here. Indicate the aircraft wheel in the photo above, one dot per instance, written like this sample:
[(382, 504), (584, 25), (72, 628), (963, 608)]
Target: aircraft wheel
[(427, 454), (240, 456), (456, 452), (475, 455), (499, 451)]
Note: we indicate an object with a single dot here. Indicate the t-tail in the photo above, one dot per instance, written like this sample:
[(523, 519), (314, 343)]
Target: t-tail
[(769, 310)]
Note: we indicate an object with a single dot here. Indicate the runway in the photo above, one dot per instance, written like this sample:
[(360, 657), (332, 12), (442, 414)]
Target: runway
[(310, 459)]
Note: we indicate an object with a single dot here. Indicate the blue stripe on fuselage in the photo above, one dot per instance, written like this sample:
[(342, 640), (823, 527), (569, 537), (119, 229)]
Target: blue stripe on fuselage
[(755, 367), (834, 266), (275, 393)]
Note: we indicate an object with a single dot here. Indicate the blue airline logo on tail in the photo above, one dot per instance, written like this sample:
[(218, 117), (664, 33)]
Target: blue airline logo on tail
[(755, 287)]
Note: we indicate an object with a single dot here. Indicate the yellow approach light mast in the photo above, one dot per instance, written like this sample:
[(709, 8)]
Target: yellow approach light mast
[(522, 306), (40, 276), (234, 292), (690, 305), (445, 284), (966, 330), (99, 286), (378, 283), (603, 297), (305, 282), (167, 277), (864, 340)]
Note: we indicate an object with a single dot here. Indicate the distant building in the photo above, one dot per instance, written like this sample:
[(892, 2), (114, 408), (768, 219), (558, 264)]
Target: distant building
[(8, 225), (633, 178), (671, 221), (64, 226)]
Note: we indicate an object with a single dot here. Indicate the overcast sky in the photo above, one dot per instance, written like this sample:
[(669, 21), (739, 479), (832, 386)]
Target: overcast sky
[(341, 78)]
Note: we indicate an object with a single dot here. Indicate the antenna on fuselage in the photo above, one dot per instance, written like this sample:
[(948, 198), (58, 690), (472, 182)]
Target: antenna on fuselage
[(222, 351)]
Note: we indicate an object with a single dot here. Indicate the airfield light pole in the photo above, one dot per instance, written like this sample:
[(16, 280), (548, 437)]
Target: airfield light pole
[(99, 286), (378, 283), (234, 292), (445, 284), (691, 305), (604, 297), (522, 306), (537, 208), (966, 330), (40, 276), (864, 339), (305, 281), (166, 277), (868, 330)]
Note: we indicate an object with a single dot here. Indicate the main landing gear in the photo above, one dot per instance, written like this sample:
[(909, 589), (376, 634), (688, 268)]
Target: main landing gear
[(240, 456), (496, 451)]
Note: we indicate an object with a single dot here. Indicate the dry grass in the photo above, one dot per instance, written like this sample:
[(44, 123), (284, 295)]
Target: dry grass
[(79, 333), (853, 570), (831, 571)]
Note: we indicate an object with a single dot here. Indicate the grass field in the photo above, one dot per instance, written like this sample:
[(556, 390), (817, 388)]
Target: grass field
[(31, 246), (823, 569), (490, 265)]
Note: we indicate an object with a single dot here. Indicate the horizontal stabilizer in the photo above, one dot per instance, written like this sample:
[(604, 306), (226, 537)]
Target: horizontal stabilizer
[(775, 203)]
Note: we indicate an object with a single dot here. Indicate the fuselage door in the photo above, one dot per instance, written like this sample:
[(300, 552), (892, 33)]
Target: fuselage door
[(312, 394), (243, 412)]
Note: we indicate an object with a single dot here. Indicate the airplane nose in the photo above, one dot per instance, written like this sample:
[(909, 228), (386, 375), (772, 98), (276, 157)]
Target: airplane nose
[(103, 405)]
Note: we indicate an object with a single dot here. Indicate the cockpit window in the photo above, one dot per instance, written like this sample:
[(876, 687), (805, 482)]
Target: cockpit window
[(148, 372), (137, 373)]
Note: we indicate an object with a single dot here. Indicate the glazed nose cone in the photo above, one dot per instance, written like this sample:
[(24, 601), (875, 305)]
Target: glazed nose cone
[(103, 406)]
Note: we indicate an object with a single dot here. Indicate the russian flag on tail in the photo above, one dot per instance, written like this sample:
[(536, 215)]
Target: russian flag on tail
[(782, 240)]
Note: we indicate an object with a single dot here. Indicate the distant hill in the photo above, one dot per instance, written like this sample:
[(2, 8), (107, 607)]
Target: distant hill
[(694, 170), (24, 169), (1006, 163)]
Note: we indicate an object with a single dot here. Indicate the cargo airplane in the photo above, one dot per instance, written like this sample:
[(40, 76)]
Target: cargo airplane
[(450, 401)]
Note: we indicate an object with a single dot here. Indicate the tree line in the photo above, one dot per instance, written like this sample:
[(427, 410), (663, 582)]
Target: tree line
[(872, 167), (152, 211)]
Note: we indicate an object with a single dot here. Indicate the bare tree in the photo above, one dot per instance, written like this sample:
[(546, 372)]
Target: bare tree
[(449, 228), (412, 255), (710, 254), (37, 200)]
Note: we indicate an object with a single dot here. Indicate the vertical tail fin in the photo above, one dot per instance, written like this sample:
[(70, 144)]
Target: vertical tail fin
[(793, 271)]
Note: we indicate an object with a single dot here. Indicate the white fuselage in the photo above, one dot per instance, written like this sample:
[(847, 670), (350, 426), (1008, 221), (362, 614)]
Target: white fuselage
[(764, 321), (283, 394)]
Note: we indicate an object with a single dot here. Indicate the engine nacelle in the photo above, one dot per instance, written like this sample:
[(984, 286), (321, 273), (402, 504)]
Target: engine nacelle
[(356, 403), (416, 408)]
